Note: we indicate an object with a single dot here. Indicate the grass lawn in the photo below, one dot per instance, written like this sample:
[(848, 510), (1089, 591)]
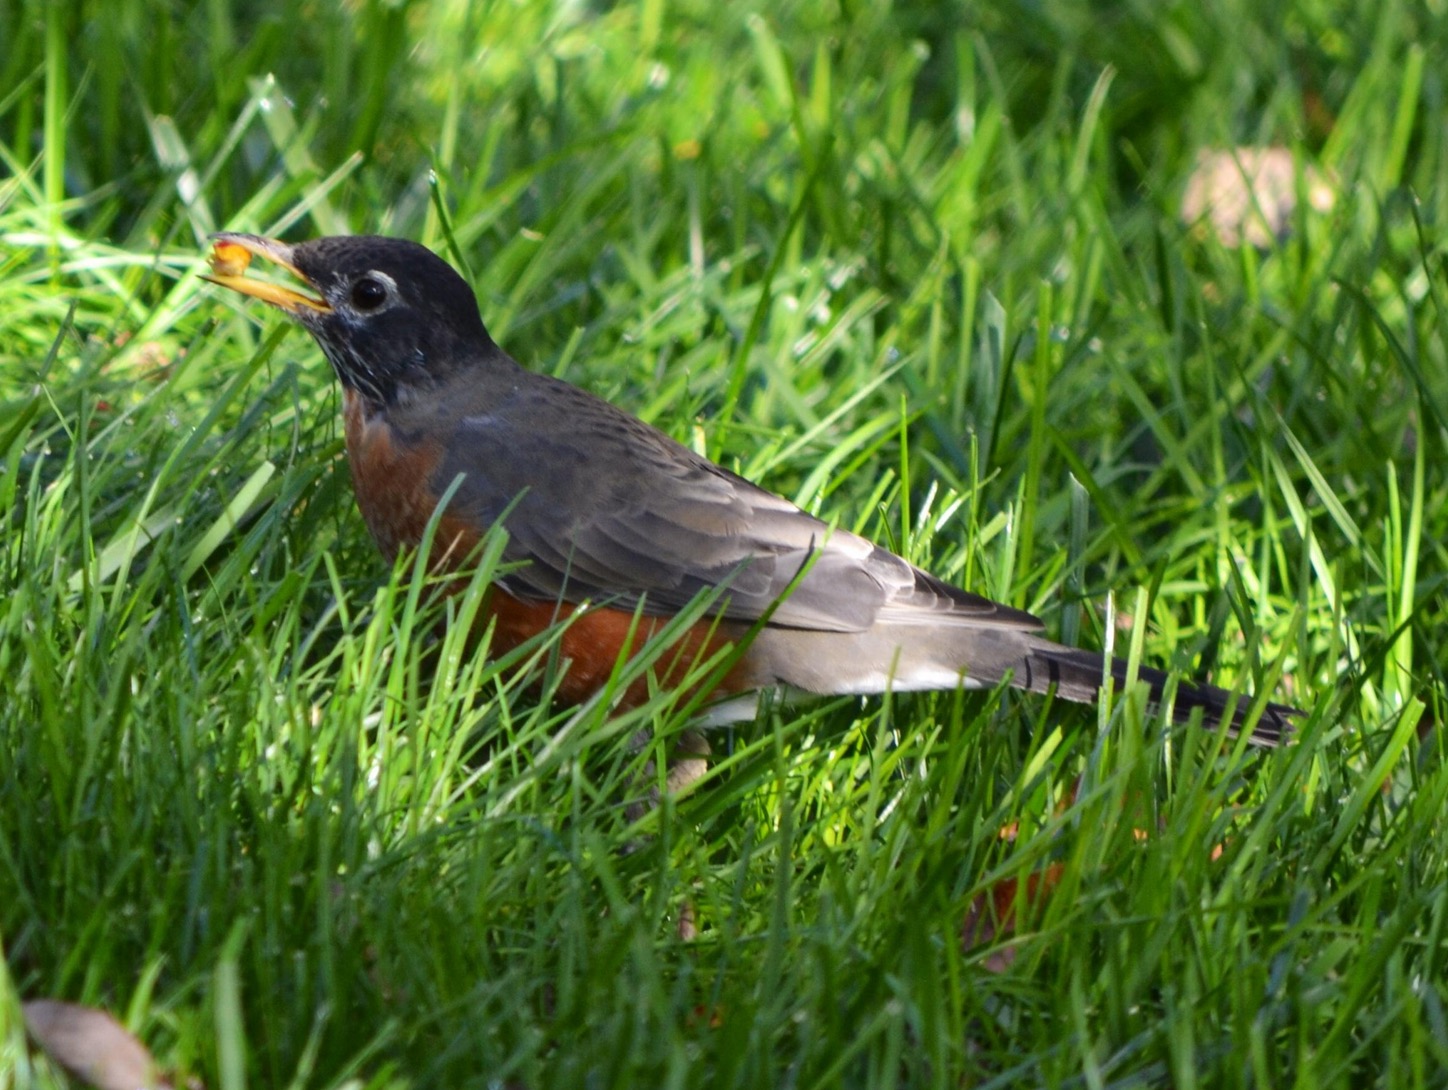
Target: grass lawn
[(920, 268)]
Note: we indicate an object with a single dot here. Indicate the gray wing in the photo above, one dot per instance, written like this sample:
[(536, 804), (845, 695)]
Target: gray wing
[(602, 507)]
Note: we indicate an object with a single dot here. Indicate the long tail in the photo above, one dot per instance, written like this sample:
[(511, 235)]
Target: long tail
[(1078, 675), (906, 657)]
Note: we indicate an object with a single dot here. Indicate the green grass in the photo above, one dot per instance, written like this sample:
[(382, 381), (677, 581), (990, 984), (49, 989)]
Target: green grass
[(919, 269)]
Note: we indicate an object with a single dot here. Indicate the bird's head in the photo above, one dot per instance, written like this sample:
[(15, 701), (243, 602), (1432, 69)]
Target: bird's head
[(391, 316)]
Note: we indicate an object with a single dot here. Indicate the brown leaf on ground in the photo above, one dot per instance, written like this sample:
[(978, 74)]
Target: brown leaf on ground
[(1249, 195), (703, 1015), (91, 1045), (992, 914)]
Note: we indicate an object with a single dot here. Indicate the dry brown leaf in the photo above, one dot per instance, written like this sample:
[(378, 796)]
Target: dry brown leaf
[(992, 914), (91, 1045)]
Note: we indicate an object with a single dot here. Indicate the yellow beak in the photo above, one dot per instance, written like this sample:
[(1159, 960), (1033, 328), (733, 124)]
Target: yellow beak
[(231, 253)]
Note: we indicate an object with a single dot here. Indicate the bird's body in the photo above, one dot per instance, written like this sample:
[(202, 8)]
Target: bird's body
[(617, 527)]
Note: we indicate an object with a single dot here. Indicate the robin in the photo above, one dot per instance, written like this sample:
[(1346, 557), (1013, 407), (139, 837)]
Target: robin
[(616, 527)]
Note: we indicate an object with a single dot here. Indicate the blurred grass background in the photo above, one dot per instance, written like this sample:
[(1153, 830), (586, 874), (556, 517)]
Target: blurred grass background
[(923, 269)]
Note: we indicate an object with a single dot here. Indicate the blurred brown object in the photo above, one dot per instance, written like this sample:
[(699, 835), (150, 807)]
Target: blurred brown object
[(91, 1045), (991, 915), (1249, 195)]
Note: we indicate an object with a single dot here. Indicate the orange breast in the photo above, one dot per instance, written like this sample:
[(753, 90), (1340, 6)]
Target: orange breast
[(392, 480)]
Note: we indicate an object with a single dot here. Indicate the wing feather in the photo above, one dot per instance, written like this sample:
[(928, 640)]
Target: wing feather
[(606, 508)]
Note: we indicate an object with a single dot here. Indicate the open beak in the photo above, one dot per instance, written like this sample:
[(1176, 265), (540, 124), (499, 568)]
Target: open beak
[(231, 253)]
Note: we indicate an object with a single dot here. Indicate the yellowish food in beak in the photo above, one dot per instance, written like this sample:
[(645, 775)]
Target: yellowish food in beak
[(230, 257)]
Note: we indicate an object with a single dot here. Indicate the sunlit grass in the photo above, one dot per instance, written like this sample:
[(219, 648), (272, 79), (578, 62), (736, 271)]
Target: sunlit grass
[(923, 276)]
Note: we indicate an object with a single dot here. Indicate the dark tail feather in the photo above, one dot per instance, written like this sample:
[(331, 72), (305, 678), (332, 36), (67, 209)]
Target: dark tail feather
[(1077, 675)]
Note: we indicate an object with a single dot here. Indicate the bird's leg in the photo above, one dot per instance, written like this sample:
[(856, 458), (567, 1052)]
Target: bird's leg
[(687, 764)]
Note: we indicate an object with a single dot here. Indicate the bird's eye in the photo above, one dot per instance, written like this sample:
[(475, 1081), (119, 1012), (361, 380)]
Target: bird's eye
[(369, 293)]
